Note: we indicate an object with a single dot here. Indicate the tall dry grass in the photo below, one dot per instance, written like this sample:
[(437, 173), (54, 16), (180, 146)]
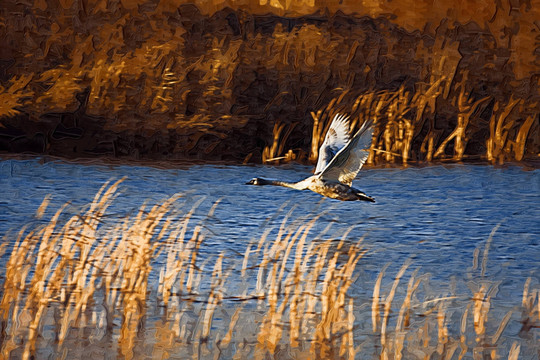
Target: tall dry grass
[(203, 80), (403, 119), (14, 97), (144, 284)]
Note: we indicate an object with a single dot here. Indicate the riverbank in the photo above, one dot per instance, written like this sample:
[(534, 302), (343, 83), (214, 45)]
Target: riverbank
[(239, 84)]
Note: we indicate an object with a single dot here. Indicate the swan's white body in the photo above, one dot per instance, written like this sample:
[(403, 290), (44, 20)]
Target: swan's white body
[(340, 159)]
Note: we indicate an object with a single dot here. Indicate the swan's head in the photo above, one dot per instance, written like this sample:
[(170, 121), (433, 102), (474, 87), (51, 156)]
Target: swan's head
[(255, 181)]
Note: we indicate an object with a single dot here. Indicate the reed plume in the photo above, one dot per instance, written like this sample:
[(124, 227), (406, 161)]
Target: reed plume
[(140, 282)]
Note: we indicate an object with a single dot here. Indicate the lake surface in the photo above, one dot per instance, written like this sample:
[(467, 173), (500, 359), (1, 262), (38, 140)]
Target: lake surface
[(436, 217), (444, 221)]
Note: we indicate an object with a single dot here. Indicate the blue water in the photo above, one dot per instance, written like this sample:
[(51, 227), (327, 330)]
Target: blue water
[(435, 216)]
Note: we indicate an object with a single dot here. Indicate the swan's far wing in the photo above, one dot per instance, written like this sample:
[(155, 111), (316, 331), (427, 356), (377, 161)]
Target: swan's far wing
[(336, 138), (347, 163)]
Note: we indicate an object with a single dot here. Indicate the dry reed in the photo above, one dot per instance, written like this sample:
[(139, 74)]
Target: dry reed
[(402, 118), (82, 275), (240, 87)]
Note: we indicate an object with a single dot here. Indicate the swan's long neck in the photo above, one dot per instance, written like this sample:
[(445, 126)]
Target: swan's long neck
[(301, 185)]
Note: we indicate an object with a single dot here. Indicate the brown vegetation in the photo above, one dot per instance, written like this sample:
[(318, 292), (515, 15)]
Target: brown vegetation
[(172, 79), (81, 285)]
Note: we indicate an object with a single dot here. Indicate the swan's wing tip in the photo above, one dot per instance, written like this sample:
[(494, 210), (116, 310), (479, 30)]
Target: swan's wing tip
[(347, 163), (337, 137)]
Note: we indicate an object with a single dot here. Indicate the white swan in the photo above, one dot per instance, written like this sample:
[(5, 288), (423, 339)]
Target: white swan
[(340, 159)]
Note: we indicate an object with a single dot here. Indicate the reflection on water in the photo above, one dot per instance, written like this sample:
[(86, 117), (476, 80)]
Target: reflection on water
[(454, 228)]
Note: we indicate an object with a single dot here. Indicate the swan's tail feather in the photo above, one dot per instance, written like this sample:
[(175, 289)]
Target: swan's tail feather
[(364, 197)]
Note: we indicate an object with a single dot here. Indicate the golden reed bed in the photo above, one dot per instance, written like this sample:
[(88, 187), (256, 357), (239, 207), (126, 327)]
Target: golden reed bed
[(90, 285), (221, 80)]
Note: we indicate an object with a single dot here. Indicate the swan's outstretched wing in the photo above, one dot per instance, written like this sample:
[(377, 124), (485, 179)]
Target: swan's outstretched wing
[(349, 160), (336, 138)]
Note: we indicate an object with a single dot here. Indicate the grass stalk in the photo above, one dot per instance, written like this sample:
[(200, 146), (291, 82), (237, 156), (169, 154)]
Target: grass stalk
[(84, 275)]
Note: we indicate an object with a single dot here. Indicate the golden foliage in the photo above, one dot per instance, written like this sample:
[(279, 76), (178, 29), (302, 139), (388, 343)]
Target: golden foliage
[(209, 76), (15, 96), (401, 117)]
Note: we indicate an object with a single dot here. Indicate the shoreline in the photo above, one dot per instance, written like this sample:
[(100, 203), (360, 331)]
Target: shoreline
[(165, 164)]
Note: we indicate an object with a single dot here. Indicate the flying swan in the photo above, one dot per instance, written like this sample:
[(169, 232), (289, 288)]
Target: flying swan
[(340, 159)]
